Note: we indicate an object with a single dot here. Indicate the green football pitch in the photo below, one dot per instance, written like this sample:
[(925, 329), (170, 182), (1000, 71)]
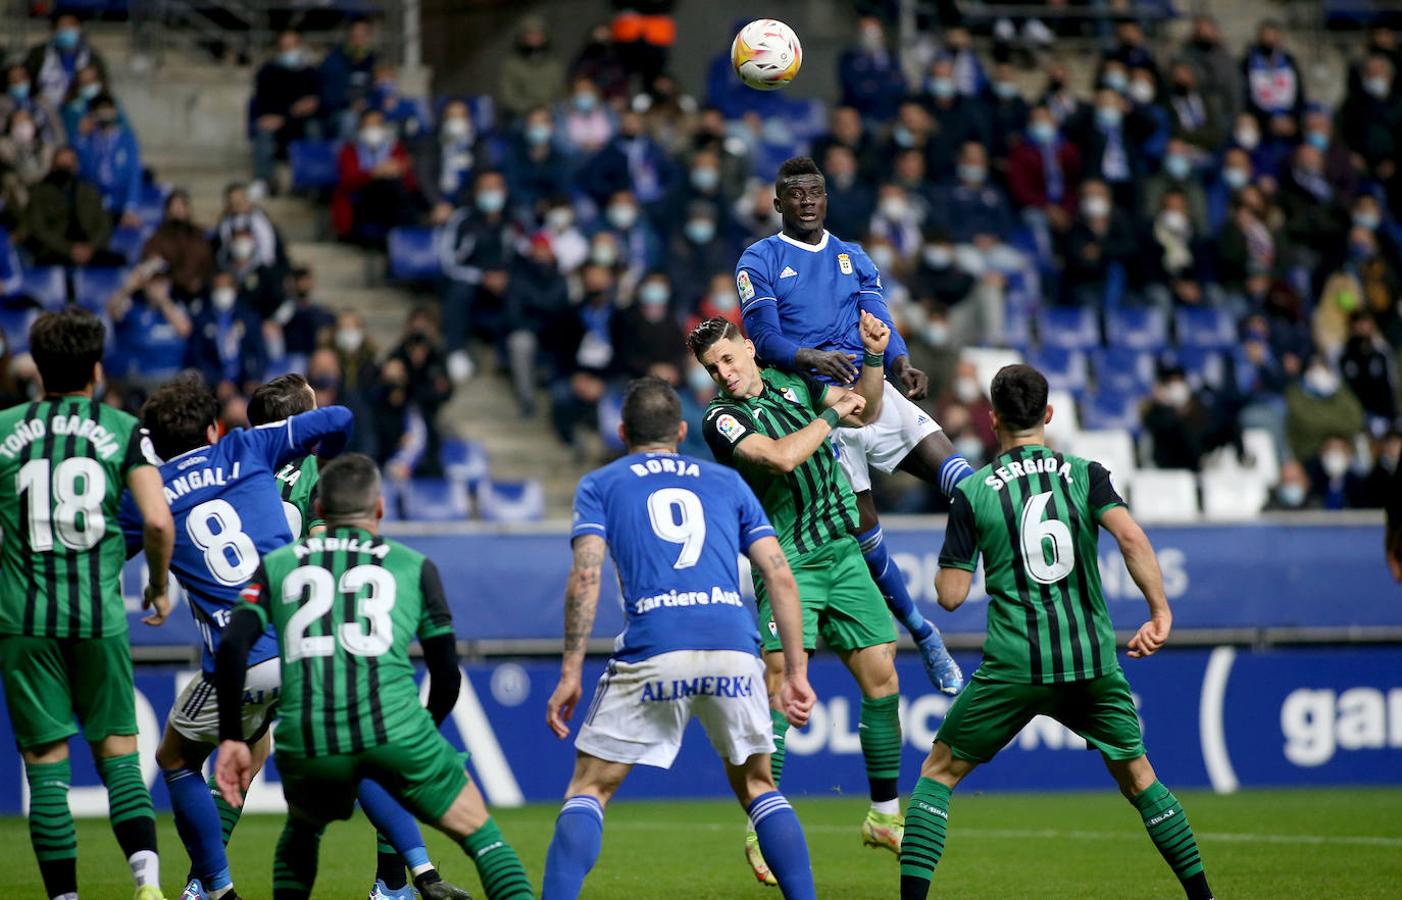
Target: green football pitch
[(1335, 843)]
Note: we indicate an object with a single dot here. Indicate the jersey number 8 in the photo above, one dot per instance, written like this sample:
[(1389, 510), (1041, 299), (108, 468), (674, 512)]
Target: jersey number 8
[(321, 592), (229, 554)]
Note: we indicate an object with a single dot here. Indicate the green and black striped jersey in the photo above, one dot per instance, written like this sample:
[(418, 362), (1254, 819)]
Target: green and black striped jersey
[(297, 483), (1034, 515), (346, 605), (63, 467), (811, 506)]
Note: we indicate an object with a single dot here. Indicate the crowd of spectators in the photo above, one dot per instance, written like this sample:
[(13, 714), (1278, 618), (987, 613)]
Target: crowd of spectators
[(594, 209)]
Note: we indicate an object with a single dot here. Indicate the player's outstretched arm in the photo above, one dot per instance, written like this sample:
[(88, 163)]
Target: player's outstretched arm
[(581, 604), (796, 694), (235, 769), (158, 538), (1143, 567), (783, 455), (876, 336), (952, 587)]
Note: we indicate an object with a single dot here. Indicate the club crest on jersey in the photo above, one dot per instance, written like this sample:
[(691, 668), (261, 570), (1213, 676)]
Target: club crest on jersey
[(844, 263), (790, 395), (743, 285), (730, 428)]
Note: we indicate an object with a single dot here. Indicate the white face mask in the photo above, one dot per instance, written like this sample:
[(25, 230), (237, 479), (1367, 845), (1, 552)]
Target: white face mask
[(1334, 463), (1176, 394), (348, 340), (458, 128), (1141, 91), (603, 254), (936, 334), (374, 135), (1095, 207), (22, 132), (223, 298), (622, 216), (1174, 220), (725, 301), (243, 248), (883, 256), (1322, 381), (1247, 138), (559, 219), (971, 448), (966, 389), (937, 256), (894, 207)]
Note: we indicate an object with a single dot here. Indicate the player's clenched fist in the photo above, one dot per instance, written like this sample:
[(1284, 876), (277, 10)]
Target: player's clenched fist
[(850, 404), (1150, 637), (875, 333)]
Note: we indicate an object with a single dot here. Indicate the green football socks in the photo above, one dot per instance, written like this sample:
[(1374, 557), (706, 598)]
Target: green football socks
[(880, 734), (503, 877), (926, 823), (132, 816), (51, 826), (295, 860), (228, 815), (1168, 827), (781, 730)]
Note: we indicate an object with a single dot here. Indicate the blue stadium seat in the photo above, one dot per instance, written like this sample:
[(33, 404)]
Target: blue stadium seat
[(1206, 327), (129, 241), (92, 287), (46, 285), (465, 461), (435, 500), (511, 501), (151, 205), (1198, 363), (1136, 329), (313, 165), (1123, 369), (1066, 370), (1068, 327), (1017, 324), (610, 417), (413, 254), (15, 322), (1106, 409)]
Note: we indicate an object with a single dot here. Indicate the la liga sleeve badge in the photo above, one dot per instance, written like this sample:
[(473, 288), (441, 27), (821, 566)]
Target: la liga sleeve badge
[(730, 428), (743, 285)]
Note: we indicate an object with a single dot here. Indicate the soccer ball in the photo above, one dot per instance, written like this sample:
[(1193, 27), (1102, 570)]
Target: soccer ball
[(766, 54)]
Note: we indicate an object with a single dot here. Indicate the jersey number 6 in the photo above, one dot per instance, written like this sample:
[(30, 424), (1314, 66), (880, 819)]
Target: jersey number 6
[(1037, 533)]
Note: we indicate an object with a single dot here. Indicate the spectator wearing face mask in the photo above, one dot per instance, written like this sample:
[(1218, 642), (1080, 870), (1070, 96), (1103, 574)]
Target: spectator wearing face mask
[(568, 244), (226, 343), (958, 119), (1221, 192), (286, 105), (1317, 406), (1367, 368), (305, 322), (86, 87), (585, 122), (639, 245), (25, 159), (713, 133), (647, 335), (1333, 479), (869, 74), (1269, 153), (447, 162), (1182, 424), (531, 75), (260, 288), (1007, 111), (399, 429), (538, 295), (936, 281), (109, 156), (420, 351), (1273, 81), (719, 301), (1216, 73), (1247, 247), (1150, 122), (1261, 380), (1109, 136), (241, 214), (53, 64), (65, 223), (1316, 217), (632, 162), (1178, 175), (897, 221), (402, 114), (974, 211), (475, 240), (377, 189), (1130, 50), (355, 354), (149, 329), (20, 94), (1044, 173), (964, 391), (346, 74), (702, 183), (580, 347), (851, 201), (846, 129), (182, 246), (697, 251), (1195, 116), (1338, 167), (536, 170), (1177, 270), (1100, 241), (1370, 118), (1292, 493)]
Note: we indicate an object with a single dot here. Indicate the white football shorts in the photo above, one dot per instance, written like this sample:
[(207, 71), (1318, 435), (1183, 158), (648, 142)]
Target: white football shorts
[(641, 709), (885, 442), (196, 712)]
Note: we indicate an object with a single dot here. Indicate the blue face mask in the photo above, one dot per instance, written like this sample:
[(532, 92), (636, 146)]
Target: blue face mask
[(653, 294), (585, 102), (491, 202), (290, 59), (19, 92), (705, 180), (1317, 139), (1177, 166), (1116, 81), (1108, 116), (943, 88), (67, 38), (1042, 132), (537, 134), (89, 91), (1006, 90), (700, 231)]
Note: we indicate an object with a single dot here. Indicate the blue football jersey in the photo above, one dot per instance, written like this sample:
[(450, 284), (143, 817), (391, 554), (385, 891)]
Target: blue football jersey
[(228, 514), (675, 527), (797, 295)]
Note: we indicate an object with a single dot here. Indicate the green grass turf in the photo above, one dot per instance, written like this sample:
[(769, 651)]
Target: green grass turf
[(1318, 843)]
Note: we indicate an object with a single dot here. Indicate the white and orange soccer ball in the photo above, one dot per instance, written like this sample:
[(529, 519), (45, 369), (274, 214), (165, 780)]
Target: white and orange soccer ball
[(766, 54)]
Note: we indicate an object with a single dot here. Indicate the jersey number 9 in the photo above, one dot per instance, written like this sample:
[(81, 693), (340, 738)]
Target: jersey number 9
[(677, 518)]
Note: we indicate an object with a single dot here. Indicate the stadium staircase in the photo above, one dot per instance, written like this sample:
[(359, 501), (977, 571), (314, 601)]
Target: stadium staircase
[(189, 114)]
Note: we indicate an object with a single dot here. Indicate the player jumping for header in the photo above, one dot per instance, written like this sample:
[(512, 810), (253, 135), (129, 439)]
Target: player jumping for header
[(345, 606), (675, 526), (774, 427), (801, 292), (1034, 515)]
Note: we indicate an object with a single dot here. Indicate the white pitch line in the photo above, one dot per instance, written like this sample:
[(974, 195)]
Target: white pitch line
[(1128, 834)]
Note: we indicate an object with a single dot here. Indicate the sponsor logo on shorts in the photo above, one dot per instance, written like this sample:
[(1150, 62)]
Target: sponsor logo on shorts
[(743, 285), (707, 686), (730, 428)]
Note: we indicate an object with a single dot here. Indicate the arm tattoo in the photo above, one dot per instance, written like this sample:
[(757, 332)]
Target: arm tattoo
[(582, 593)]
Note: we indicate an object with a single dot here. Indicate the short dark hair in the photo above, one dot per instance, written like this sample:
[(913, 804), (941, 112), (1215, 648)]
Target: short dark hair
[(65, 346), (348, 487), (178, 414), (652, 412), (795, 167), (1019, 397), (281, 398), (710, 332)]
